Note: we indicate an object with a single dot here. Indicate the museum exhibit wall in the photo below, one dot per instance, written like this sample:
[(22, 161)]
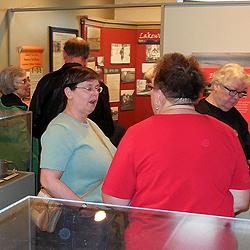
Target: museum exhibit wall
[(36, 21), (139, 107), (31, 27)]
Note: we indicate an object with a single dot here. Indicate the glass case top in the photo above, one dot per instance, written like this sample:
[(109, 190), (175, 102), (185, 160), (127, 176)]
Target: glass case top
[(100, 226), (7, 114)]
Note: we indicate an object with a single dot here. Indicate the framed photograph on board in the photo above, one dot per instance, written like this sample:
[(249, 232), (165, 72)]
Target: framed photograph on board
[(120, 53), (57, 39), (127, 99), (127, 75), (94, 37)]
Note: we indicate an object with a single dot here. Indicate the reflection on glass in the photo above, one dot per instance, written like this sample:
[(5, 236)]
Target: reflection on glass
[(104, 227)]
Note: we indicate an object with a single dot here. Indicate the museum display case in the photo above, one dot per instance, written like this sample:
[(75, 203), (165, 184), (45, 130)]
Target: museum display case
[(99, 226), (16, 139), (16, 178)]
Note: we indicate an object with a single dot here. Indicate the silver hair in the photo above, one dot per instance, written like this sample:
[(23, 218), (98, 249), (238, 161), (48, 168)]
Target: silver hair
[(230, 72), (8, 77)]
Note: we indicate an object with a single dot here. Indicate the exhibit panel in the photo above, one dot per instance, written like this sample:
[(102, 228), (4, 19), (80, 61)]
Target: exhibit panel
[(124, 51), (100, 226)]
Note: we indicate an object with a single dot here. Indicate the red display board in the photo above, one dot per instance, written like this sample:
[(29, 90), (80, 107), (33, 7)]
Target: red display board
[(119, 35)]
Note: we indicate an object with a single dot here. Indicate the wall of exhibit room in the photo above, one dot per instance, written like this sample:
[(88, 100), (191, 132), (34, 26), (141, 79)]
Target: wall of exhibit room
[(31, 27), (207, 28), (23, 31), (146, 14)]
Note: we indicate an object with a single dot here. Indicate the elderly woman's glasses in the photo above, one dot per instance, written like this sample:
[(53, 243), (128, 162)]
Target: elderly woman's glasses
[(24, 81), (233, 92), (90, 89)]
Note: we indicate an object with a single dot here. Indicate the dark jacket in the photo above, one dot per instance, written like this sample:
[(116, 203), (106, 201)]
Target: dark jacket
[(48, 99), (11, 100)]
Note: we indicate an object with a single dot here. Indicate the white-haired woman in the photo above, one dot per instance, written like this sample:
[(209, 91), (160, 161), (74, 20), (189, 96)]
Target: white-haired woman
[(229, 84), (14, 87)]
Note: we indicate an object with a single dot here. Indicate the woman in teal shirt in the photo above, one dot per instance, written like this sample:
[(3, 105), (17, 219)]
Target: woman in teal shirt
[(75, 153)]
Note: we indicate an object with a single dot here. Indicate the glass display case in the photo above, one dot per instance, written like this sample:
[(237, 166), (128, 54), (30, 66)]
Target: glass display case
[(16, 139), (100, 226)]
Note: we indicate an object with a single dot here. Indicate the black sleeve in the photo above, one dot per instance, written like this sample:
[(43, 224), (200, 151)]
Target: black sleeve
[(37, 101)]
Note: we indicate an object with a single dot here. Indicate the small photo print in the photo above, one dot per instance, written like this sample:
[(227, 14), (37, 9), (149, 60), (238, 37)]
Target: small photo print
[(127, 99), (114, 112), (57, 46), (120, 53), (127, 75), (152, 52), (141, 87), (94, 37), (100, 61)]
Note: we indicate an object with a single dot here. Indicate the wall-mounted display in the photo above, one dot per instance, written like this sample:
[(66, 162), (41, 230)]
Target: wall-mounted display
[(94, 37), (91, 63), (114, 112), (120, 53), (127, 75), (100, 61), (149, 37), (112, 81), (152, 52), (127, 99), (57, 38), (141, 87)]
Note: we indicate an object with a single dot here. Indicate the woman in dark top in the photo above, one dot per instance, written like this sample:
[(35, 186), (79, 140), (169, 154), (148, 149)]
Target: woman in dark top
[(14, 87), (229, 84), (15, 136)]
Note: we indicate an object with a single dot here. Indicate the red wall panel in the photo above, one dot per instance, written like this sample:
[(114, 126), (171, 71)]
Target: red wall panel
[(142, 108)]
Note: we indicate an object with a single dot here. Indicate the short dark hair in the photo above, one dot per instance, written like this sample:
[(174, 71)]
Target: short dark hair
[(77, 47), (178, 76), (77, 74)]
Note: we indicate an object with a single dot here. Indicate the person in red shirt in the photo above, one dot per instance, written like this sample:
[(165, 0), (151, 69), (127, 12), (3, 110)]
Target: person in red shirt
[(179, 159)]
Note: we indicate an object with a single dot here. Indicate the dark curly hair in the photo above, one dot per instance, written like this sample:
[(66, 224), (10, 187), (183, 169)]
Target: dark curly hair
[(179, 77)]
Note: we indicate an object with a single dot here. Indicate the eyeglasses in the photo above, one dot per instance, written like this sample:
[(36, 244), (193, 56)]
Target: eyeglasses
[(233, 92), (90, 89), (149, 87), (24, 81)]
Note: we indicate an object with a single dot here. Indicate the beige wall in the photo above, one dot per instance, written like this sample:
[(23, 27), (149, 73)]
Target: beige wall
[(7, 4), (31, 28), (3, 40), (138, 14), (207, 28)]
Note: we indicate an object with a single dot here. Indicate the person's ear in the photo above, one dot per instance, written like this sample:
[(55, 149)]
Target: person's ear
[(215, 86), (159, 99), (68, 92)]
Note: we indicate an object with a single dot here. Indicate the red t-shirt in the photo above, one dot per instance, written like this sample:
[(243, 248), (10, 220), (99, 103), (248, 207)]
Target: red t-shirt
[(182, 162)]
